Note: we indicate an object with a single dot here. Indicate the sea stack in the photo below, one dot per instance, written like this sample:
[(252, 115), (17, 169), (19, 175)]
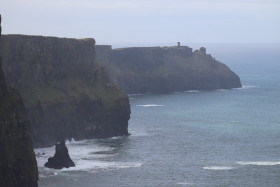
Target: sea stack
[(61, 158), (18, 166)]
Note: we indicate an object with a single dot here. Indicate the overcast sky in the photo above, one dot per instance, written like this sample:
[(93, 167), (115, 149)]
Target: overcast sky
[(153, 21)]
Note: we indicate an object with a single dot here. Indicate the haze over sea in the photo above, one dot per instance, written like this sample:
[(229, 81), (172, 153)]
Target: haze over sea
[(192, 138)]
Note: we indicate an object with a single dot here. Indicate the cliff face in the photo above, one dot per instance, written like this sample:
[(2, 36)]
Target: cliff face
[(18, 166), (165, 69), (66, 92)]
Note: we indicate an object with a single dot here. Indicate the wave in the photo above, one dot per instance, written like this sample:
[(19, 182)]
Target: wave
[(86, 154), (260, 163), (246, 87), (150, 105), (93, 166), (222, 90), (176, 92), (191, 91), (217, 167)]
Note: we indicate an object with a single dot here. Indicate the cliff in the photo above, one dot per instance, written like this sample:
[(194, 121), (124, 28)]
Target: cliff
[(66, 92), (18, 166), (165, 69)]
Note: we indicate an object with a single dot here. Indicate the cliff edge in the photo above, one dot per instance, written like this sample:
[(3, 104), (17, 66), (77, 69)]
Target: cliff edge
[(165, 69), (18, 166), (66, 92)]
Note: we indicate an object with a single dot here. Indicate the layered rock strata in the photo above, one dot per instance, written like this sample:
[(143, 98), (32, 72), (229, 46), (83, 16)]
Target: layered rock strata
[(18, 166), (165, 69), (66, 92)]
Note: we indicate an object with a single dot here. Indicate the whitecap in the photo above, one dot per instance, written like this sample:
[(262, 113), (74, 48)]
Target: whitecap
[(86, 155), (246, 87), (150, 105), (73, 141), (217, 167), (191, 91), (222, 90), (95, 165), (176, 92), (260, 163)]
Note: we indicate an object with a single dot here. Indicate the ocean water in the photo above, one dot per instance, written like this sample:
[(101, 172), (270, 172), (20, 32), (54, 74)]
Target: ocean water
[(192, 138)]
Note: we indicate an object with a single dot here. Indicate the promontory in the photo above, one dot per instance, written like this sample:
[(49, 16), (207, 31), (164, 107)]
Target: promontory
[(165, 69)]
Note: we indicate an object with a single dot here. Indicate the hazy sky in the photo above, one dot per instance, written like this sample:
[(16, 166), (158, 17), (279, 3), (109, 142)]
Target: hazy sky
[(155, 21)]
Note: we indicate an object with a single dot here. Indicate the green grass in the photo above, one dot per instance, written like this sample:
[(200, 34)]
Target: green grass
[(68, 89)]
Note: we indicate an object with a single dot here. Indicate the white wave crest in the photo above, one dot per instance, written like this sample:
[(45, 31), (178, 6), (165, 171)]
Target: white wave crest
[(87, 155), (176, 92), (222, 90), (191, 91), (260, 163), (246, 87), (150, 105), (93, 166), (217, 167)]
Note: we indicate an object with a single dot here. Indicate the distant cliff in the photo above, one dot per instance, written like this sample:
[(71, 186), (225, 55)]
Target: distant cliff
[(66, 92), (18, 166), (165, 69)]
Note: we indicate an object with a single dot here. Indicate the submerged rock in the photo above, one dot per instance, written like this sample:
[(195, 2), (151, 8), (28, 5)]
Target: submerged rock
[(61, 157)]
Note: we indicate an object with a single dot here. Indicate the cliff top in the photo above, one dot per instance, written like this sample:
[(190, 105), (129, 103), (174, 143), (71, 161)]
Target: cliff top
[(47, 37), (154, 47)]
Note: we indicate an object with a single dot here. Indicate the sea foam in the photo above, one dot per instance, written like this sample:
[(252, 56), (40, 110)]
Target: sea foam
[(87, 155), (150, 105), (260, 163), (191, 91), (246, 87), (217, 167)]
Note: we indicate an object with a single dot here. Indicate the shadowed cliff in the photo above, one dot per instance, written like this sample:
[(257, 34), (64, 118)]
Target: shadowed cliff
[(67, 93), (18, 166), (165, 69)]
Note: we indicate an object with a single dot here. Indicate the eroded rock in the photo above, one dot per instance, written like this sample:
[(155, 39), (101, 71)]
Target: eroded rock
[(61, 158)]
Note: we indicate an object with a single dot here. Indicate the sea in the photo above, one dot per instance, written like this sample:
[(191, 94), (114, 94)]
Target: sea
[(191, 138)]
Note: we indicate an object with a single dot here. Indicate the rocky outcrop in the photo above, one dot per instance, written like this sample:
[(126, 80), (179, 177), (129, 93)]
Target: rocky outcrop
[(18, 166), (165, 69), (61, 158), (66, 92)]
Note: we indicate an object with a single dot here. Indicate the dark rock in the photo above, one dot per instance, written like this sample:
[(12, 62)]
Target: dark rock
[(165, 69), (18, 166), (66, 92), (61, 158), (202, 50)]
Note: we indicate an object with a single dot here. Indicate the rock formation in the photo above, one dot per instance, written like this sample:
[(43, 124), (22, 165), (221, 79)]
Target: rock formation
[(18, 166), (165, 69), (61, 158), (66, 92)]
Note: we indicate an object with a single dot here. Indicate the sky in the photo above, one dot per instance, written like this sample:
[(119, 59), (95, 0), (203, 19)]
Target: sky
[(146, 21)]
